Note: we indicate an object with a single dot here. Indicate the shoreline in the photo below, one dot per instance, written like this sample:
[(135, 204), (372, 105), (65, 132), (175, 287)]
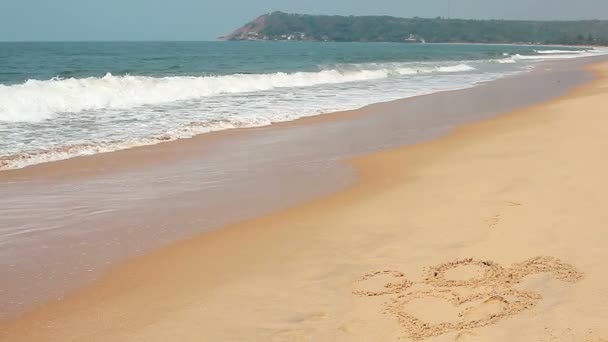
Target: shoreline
[(118, 161), (234, 274), (107, 226), (138, 156)]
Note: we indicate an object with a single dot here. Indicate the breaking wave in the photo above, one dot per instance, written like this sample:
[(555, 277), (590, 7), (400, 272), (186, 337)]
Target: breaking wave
[(102, 114), (543, 55), (37, 100), (553, 52)]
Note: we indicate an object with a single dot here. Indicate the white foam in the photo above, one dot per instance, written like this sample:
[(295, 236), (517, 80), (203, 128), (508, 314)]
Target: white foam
[(553, 52), (184, 120), (36, 100), (455, 68), (509, 60), (97, 115), (561, 54), (543, 55)]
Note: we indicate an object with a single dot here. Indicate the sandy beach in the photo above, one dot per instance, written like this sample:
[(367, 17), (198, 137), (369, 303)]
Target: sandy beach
[(493, 233)]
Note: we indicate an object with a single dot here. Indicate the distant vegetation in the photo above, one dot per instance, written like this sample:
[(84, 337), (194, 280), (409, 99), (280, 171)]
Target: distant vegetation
[(283, 26)]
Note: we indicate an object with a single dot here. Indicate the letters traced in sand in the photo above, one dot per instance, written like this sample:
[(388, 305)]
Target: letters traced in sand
[(481, 300)]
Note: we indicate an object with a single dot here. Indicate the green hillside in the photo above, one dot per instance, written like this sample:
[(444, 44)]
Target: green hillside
[(283, 26)]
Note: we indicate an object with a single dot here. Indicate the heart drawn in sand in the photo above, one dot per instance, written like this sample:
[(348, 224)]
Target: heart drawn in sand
[(483, 299)]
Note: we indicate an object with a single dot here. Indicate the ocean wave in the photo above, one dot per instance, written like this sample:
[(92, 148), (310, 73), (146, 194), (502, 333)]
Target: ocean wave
[(130, 111), (37, 100), (562, 54), (455, 68), (554, 52), (543, 55), (509, 60), (39, 156)]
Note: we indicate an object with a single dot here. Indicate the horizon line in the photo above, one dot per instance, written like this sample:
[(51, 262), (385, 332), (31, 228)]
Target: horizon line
[(112, 41)]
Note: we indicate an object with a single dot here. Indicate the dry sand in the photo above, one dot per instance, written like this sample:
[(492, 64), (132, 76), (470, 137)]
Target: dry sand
[(494, 233)]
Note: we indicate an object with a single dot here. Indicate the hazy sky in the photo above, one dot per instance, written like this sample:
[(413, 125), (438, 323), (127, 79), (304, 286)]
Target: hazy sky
[(205, 20)]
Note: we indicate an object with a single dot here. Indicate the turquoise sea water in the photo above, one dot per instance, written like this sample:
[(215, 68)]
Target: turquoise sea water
[(59, 100), (42, 61)]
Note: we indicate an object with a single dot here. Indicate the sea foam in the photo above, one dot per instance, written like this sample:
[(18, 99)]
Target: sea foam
[(60, 118), (553, 52), (37, 100)]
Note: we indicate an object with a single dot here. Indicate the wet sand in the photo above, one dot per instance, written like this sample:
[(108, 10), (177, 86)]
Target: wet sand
[(291, 275)]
